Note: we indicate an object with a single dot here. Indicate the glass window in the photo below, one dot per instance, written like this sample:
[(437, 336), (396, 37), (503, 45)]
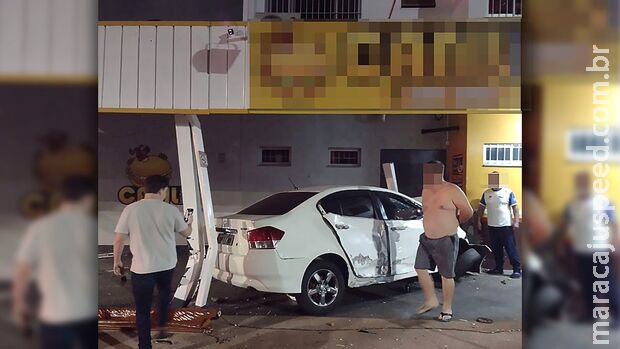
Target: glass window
[(349, 203), (278, 204), (280, 156), (398, 208)]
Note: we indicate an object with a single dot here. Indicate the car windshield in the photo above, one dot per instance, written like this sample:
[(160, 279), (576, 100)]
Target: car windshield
[(278, 204)]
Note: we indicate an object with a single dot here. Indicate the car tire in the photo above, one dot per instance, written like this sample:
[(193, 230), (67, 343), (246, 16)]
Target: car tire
[(465, 261), (322, 288)]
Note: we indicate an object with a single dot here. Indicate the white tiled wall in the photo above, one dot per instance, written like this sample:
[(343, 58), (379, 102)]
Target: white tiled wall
[(173, 67)]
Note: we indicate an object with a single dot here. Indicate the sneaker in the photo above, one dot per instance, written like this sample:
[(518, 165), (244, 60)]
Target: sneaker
[(163, 335), (515, 275), (495, 272)]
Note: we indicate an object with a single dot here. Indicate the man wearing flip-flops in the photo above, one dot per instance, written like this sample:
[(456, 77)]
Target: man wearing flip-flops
[(445, 206)]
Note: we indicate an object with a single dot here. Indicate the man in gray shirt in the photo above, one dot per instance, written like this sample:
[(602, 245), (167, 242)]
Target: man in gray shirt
[(151, 225)]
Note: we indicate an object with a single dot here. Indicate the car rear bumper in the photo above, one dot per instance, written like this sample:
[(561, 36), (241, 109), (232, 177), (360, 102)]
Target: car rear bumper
[(262, 270)]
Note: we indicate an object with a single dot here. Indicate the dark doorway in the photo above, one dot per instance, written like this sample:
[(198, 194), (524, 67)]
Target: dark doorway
[(408, 166)]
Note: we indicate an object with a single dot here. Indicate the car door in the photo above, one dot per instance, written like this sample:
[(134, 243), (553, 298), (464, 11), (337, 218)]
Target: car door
[(362, 234), (403, 219)]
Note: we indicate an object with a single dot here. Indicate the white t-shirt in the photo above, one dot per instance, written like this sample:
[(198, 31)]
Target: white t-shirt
[(61, 249), (578, 215), (151, 225), (498, 204)]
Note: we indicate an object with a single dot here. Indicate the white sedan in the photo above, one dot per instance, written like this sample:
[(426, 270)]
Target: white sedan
[(316, 244)]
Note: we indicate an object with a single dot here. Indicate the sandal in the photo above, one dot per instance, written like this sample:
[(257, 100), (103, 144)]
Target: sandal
[(444, 317)]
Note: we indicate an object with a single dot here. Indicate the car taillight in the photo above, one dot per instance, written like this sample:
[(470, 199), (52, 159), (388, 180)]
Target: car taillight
[(264, 238)]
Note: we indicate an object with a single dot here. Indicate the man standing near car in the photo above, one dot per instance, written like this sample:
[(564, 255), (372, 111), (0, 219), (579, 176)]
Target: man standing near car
[(151, 225), (502, 217), (445, 207)]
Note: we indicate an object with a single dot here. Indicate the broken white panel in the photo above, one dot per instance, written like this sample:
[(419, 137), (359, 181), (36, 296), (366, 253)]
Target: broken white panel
[(163, 67), (208, 267), (390, 176), (189, 185), (199, 67)]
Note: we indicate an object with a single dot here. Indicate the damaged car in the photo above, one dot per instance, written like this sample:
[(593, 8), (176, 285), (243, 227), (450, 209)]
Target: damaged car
[(315, 244)]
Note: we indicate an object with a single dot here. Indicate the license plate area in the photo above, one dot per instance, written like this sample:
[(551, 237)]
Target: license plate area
[(226, 239), (226, 236)]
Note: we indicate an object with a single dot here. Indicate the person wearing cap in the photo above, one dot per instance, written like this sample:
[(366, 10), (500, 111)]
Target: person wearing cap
[(503, 218)]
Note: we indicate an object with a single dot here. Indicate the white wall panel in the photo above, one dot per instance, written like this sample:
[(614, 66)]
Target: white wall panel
[(129, 67), (63, 25), (101, 59), (163, 67), (199, 68), (11, 36), (173, 67), (218, 67), (236, 76), (146, 67), (37, 37), (86, 38), (112, 67), (182, 68)]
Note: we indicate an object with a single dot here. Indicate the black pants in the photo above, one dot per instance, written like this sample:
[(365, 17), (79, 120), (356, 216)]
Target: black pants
[(82, 335), (585, 265), (504, 238), (143, 286)]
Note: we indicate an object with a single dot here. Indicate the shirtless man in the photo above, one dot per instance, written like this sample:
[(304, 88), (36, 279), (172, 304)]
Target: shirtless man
[(445, 206)]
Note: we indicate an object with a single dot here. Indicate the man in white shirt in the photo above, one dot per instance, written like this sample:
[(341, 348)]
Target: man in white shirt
[(59, 250), (151, 225), (578, 229), (503, 217)]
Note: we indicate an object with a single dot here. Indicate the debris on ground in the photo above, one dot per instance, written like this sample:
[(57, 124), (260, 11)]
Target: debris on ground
[(484, 320)]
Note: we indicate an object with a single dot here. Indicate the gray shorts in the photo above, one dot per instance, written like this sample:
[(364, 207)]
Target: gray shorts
[(440, 253)]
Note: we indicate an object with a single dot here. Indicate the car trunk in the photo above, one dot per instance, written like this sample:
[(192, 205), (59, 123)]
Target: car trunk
[(232, 232)]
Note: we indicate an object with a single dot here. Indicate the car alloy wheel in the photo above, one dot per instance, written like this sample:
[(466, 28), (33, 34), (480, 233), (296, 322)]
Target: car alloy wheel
[(322, 288)]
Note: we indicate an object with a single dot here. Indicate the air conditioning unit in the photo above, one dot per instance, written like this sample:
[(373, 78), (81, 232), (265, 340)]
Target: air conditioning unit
[(277, 16)]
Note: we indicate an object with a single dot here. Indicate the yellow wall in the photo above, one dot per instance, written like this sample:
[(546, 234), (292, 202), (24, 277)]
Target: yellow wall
[(490, 128), (567, 103)]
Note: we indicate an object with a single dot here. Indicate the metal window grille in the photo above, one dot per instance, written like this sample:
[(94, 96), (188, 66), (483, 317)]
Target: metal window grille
[(317, 10), (578, 140), (280, 156), (345, 157), (503, 154), (504, 8)]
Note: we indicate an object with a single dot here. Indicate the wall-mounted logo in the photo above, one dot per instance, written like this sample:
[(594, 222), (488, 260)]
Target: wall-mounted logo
[(141, 164), (56, 160)]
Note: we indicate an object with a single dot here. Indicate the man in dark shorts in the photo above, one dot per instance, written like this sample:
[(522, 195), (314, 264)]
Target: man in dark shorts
[(445, 207)]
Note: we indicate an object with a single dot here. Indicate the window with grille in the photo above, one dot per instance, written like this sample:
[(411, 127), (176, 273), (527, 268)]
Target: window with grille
[(502, 154), (504, 8), (578, 140), (319, 10), (341, 157), (418, 4), (275, 156)]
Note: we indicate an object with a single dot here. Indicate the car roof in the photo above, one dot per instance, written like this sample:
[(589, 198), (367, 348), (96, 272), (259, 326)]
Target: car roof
[(326, 190)]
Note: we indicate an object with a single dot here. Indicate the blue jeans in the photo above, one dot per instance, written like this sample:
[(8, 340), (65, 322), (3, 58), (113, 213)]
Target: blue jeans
[(142, 287), (82, 335), (504, 238)]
